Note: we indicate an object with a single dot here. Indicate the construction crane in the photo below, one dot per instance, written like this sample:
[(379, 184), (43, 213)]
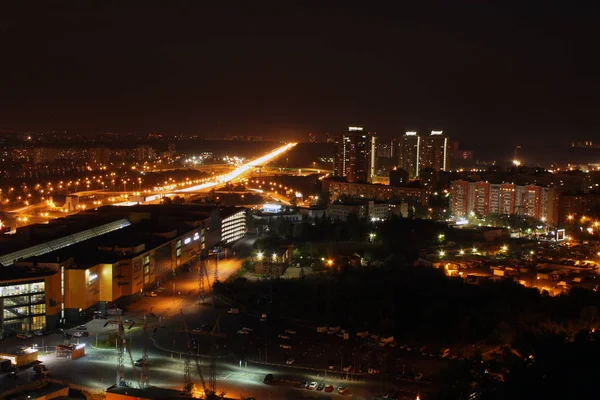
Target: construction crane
[(123, 345), (211, 390)]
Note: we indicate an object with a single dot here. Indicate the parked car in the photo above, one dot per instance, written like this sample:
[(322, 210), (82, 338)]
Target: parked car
[(304, 385), (312, 386), (283, 336), (290, 331), (321, 386), (82, 328), (22, 336), (127, 321), (243, 332), (342, 390), (140, 362), (290, 361), (268, 379), (150, 294), (38, 333), (329, 388), (234, 311), (285, 346), (78, 334)]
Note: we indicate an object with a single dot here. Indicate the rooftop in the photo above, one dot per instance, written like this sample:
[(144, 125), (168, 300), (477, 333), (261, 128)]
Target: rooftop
[(13, 273)]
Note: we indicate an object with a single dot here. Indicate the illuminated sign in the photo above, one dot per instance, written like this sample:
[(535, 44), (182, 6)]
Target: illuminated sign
[(437, 132), (196, 236), (411, 133), (272, 208), (187, 240), (355, 128), (560, 235)]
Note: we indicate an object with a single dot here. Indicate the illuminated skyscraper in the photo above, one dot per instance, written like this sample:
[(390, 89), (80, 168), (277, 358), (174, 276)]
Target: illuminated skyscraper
[(355, 155), (409, 151), (435, 151)]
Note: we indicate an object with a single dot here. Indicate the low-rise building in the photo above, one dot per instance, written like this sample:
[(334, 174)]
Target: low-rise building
[(58, 280)]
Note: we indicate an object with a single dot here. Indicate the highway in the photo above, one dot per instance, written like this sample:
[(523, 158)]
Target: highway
[(240, 171), (42, 212)]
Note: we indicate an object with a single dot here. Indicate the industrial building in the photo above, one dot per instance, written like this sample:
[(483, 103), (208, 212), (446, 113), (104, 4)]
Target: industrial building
[(127, 251)]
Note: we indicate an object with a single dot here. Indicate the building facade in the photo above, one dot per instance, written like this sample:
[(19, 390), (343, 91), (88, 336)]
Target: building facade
[(434, 151), (336, 189), (355, 155), (482, 198), (409, 150)]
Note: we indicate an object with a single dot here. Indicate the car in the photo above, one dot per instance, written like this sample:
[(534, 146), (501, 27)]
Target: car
[(331, 367), (290, 331), (140, 362), (67, 335), (283, 337), (127, 321), (150, 294), (329, 388), (285, 346), (22, 336), (99, 316), (290, 361), (312, 386), (82, 328), (242, 332), (348, 367), (38, 333), (321, 386), (342, 390), (304, 385), (78, 334), (248, 329)]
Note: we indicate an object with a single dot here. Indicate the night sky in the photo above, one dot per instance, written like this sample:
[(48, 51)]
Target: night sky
[(487, 74)]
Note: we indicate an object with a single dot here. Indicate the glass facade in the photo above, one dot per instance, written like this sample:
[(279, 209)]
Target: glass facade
[(23, 306)]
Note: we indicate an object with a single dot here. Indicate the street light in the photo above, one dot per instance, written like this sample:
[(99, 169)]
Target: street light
[(330, 262), (474, 249), (461, 252), (259, 256), (442, 253), (504, 248)]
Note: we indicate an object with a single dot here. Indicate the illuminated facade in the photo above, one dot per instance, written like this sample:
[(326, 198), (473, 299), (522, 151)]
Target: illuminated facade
[(409, 150), (28, 303), (434, 151), (233, 227), (355, 155), (482, 198)]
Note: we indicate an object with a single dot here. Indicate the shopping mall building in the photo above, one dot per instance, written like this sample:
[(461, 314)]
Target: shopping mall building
[(53, 273)]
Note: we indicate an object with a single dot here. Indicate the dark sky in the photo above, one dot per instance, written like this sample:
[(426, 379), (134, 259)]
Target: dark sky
[(483, 72)]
